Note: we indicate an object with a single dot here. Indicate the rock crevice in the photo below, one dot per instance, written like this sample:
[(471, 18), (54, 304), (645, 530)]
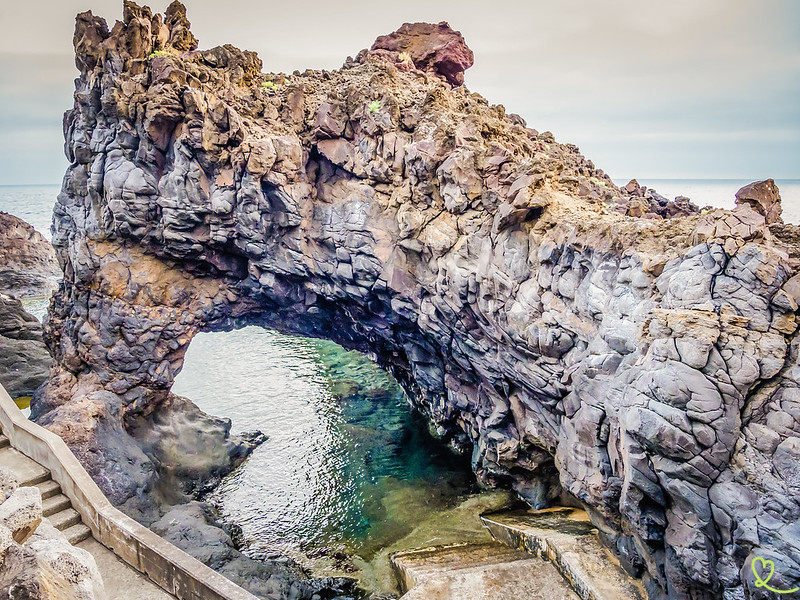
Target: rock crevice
[(577, 338)]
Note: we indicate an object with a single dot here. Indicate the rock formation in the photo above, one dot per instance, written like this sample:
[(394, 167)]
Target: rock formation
[(24, 360), (28, 265), (193, 528), (36, 560), (647, 368)]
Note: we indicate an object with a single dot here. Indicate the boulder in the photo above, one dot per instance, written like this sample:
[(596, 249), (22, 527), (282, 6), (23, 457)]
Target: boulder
[(437, 49), (24, 359), (764, 198), (28, 265)]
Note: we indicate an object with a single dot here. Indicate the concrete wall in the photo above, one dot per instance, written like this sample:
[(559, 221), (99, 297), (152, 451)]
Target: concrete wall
[(169, 567)]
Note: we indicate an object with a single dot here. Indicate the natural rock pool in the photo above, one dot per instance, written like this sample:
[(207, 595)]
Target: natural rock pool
[(347, 470)]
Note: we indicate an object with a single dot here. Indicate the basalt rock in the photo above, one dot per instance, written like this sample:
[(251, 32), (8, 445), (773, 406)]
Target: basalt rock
[(24, 360), (37, 562), (645, 367), (193, 528), (436, 49), (28, 265), (764, 198)]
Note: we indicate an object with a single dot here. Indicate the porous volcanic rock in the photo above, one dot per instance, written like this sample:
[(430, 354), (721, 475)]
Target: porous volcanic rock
[(37, 562), (764, 197), (436, 49), (24, 359), (193, 528), (646, 367), (28, 265)]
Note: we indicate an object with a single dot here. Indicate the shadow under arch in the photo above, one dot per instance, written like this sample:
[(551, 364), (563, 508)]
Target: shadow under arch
[(346, 465)]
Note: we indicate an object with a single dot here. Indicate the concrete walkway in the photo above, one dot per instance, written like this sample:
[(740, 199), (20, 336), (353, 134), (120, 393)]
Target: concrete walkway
[(567, 538), (121, 581), (489, 571)]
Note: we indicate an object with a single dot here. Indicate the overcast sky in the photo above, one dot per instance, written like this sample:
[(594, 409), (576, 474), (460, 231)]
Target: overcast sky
[(646, 88)]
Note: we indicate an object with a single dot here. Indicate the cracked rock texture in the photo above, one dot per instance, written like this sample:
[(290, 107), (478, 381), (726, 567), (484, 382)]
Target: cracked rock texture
[(37, 562), (24, 360), (581, 340), (28, 265)]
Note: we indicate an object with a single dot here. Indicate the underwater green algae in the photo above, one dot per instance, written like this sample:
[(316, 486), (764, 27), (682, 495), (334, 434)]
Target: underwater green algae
[(348, 469)]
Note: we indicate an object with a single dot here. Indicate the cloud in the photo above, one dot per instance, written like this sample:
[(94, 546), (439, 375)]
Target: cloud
[(633, 82)]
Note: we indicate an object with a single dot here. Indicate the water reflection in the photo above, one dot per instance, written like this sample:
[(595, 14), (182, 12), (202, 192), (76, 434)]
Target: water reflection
[(346, 466)]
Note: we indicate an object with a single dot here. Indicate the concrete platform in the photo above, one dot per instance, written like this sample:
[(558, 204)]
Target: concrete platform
[(28, 472), (487, 571), (120, 580), (566, 537)]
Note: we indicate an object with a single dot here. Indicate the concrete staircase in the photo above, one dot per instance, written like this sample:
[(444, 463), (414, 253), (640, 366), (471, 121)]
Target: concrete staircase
[(566, 537), (485, 571), (55, 505)]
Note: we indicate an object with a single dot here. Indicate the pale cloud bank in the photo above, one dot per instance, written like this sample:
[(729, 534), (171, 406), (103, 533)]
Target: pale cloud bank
[(645, 88)]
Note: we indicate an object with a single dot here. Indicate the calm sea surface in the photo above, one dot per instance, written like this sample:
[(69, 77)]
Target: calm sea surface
[(346, 465)]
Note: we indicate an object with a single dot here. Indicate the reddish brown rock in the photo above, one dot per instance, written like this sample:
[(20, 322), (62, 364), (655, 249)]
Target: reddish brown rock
[(764, 198), (437, 49)]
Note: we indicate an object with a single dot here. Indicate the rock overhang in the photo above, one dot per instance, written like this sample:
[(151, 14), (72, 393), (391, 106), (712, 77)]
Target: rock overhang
[(639, 364)]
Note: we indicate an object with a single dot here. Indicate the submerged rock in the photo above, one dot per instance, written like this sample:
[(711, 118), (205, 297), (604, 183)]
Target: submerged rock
[(644, 366)]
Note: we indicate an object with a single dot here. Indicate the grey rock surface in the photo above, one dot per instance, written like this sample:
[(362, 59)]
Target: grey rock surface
[(24, 359), (28, 265), (579, 339), (193, 528)]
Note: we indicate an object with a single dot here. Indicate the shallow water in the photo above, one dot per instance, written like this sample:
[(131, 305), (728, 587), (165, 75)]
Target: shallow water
[(347, 466)]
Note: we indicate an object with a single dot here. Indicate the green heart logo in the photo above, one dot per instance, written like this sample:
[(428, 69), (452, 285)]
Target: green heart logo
[(766, 564)]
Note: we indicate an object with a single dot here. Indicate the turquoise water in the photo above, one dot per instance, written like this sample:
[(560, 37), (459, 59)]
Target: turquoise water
[(347, 466), (347, 469)]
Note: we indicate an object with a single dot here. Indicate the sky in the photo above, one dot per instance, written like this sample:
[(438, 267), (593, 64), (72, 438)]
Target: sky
[(646, 88)]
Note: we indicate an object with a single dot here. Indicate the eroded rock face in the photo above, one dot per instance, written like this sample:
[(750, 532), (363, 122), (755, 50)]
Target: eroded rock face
[(647, 367), (764, 198), (37, 562), (436, 49), (28, 265), (24, 360)]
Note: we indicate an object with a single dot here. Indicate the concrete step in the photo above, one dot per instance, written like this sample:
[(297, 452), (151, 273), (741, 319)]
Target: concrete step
[(48, 489), (4, 441), (27, 471), (64, 519), (414, 566), (55, 504), (567, 538), (77, 533), (478, 572)]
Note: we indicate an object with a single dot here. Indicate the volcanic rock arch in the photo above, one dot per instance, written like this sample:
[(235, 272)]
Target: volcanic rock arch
[(648, 367)]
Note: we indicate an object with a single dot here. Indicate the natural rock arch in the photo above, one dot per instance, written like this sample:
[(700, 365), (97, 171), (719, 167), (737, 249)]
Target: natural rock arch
[(646, 365)]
